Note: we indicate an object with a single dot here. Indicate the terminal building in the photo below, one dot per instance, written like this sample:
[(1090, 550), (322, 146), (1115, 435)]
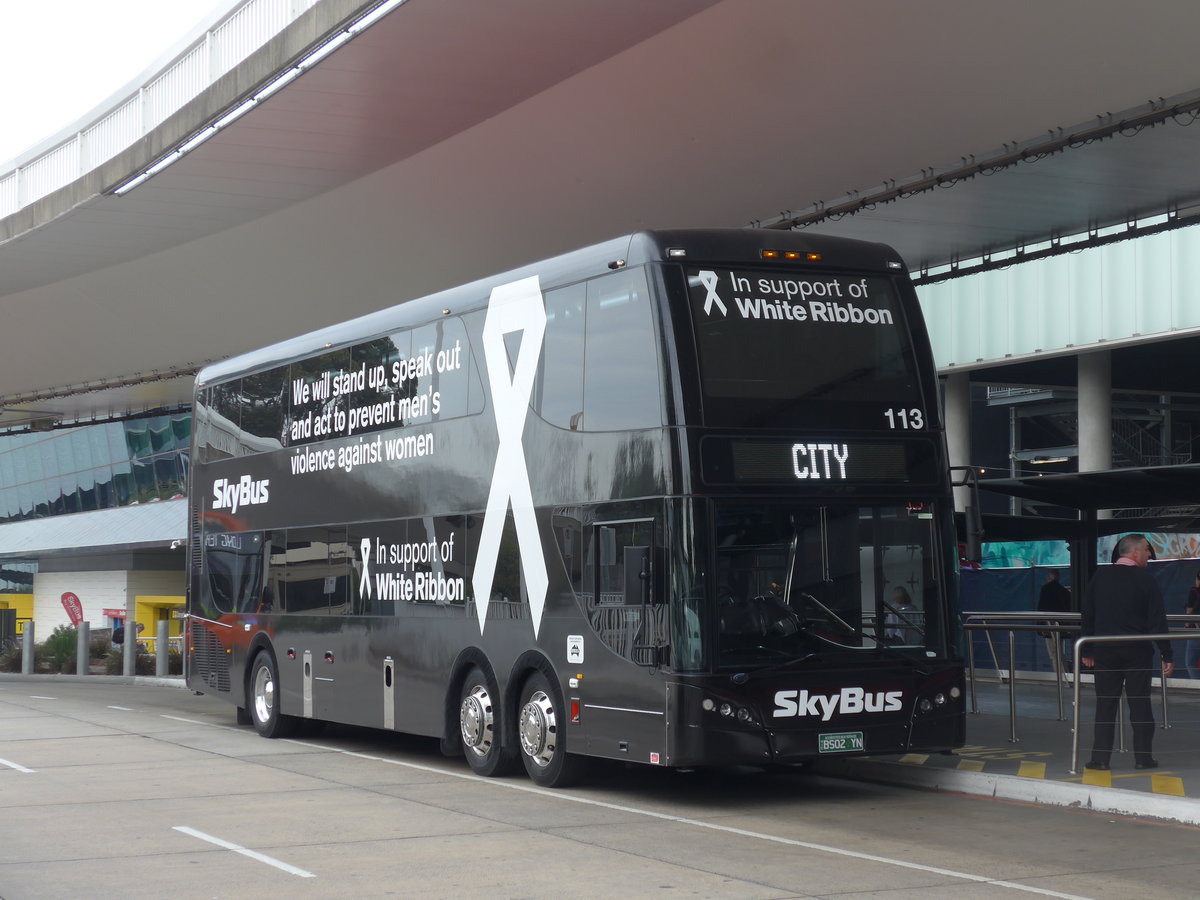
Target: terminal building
[(1065, 326)]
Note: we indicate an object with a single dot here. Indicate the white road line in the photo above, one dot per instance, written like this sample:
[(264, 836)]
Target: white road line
[(19, 768), (683, 820), (253, 854), (122, 708), (36, 697)]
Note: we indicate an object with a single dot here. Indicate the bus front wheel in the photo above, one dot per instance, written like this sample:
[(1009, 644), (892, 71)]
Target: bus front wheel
[(479, 721), (264, 699), (541, 728)]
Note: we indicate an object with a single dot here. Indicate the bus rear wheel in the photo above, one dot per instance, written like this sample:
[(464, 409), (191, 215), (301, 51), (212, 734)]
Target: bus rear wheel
[(264, 699), (541, 728), (479, 721)]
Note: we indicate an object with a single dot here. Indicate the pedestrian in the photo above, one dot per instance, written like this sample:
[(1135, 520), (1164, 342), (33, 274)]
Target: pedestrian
[(1192, 648), (903, 621), (1124, 599), (1054, 597)]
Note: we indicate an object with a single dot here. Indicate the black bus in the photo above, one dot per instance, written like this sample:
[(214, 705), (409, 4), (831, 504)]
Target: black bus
[(680, 498)]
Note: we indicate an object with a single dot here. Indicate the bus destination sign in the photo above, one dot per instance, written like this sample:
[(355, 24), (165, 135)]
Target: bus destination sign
[(815, 461)]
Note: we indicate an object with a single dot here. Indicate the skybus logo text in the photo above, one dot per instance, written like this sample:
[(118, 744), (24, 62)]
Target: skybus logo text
[(846, 702), (246, 492)]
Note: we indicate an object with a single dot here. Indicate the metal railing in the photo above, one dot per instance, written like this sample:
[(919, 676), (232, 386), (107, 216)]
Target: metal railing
[(1058, 624), (116, 127), (1116, 639)]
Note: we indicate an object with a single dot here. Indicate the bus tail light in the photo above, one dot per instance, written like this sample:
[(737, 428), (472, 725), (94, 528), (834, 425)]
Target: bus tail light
[(575, 710)]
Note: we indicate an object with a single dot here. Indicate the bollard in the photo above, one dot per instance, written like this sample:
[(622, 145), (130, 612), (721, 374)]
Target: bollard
[(129, 655), (27, 649), (162, 650), (83, 646)]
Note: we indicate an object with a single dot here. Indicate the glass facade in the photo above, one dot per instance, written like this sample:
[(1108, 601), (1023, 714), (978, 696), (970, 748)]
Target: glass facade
[(94, 467)]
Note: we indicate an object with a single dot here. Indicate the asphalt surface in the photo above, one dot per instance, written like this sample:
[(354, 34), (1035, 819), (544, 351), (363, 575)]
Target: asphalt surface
[(112, 789)]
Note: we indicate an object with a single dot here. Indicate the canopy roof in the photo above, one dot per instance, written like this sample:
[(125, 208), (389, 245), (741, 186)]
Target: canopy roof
[(454, 139)]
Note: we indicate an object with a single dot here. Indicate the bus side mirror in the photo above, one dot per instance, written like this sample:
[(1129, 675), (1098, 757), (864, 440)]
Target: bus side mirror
[(637, 576), (645, 576)]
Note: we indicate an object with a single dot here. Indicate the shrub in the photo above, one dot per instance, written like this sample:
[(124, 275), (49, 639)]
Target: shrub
[(143, 663), (57, 652), (10, 658)]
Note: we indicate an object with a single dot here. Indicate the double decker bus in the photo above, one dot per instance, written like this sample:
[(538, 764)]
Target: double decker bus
[(680, 499)]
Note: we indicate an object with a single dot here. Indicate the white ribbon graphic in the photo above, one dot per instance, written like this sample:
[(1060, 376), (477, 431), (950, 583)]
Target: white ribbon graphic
[(364, 582), (513, 307), (709, 281)]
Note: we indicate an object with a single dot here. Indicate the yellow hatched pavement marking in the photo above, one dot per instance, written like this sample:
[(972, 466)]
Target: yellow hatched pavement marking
[(970, 765), (1032, 770), (1167, 784), (1097, 777), (915, 759)]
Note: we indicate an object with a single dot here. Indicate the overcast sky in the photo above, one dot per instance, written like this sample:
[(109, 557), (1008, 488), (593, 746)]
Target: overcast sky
[(58, 61)]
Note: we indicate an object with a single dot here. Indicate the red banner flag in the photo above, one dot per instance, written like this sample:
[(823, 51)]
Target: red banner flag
[(73, 607)]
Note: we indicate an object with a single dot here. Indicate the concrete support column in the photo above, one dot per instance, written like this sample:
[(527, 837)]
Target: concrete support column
[(1095, 412), (958, 429)]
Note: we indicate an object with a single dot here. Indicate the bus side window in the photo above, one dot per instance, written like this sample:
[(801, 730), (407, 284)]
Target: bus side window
[(312, 575), (558, 389), (622, 386), (618, 614), (264, 399), (454, 380)]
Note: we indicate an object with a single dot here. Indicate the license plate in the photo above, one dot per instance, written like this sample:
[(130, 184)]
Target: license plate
[(842, 742)]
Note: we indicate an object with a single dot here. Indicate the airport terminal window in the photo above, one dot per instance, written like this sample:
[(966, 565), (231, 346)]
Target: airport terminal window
[(94, 467)]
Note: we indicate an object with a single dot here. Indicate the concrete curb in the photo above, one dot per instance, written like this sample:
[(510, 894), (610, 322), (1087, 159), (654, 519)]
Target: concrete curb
[(1180, 810), (175, 681)]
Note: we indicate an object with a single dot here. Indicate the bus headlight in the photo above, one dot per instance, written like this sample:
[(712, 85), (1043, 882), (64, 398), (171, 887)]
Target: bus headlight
[(726, 709)]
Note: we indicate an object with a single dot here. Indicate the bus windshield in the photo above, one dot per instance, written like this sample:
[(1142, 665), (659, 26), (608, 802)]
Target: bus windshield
[(805, 582), (782, 349)]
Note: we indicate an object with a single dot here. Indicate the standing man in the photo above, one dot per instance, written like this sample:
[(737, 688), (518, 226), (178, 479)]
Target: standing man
[(1124, 599), (1054, 597)]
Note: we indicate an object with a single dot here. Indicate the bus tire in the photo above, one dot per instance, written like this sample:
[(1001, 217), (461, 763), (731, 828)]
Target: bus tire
[(263, 691), (541, 731), (480, 722)]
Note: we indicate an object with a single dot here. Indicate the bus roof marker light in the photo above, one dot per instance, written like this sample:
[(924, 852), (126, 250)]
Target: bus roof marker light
[(617, 264), (892, 264), (676, 252), (769, 254)]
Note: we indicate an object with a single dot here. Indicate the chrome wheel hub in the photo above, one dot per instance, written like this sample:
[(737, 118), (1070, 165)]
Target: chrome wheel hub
[(538, 729), (264, 694), (476, 721)]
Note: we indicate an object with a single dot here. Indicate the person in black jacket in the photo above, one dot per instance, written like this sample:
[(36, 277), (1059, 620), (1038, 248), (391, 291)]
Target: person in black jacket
[(1124, 599), (1054, 597)]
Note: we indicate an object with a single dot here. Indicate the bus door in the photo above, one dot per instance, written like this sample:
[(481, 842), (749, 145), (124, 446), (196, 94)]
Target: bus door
[(621, 694)]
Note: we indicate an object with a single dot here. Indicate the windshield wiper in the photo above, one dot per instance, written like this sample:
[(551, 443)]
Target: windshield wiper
[(743, 677), (855, 632)]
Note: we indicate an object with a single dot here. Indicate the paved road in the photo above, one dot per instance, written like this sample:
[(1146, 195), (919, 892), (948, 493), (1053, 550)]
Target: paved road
[(110, 790)]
